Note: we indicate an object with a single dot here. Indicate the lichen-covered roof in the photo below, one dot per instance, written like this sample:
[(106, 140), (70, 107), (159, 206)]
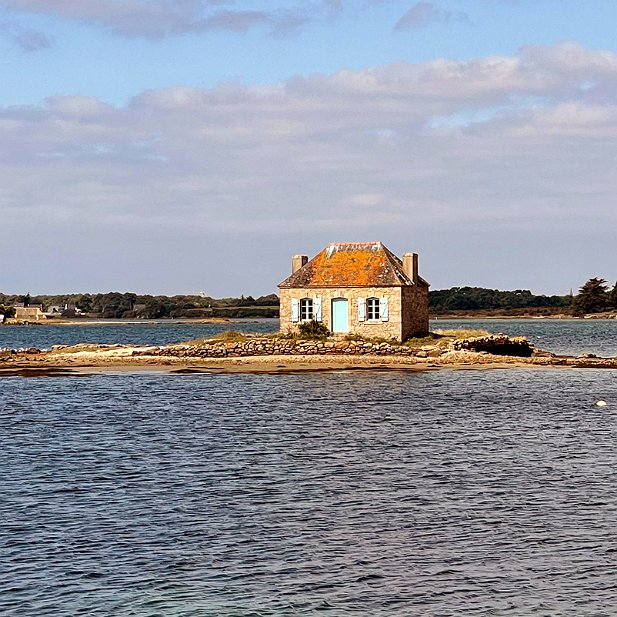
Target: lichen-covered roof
[(351, 264)]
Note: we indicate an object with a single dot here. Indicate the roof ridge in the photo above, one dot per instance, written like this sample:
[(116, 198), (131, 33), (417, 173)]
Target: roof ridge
[(351, 264), (333, 247)]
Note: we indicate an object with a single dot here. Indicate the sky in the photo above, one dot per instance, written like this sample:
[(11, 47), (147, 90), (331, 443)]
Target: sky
[(186, 146)]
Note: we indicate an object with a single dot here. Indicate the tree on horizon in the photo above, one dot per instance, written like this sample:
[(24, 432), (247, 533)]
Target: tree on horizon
[(593, 297), (612, 297)]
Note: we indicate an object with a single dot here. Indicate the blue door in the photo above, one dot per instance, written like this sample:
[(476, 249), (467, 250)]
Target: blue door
[(340, 315)]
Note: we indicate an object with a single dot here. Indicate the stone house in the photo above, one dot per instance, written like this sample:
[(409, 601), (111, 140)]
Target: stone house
[(32, 312), (65, 310), (359, 288)]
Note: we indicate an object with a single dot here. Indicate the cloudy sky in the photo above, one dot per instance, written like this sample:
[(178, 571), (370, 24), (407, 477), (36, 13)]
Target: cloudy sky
[(177, 146)]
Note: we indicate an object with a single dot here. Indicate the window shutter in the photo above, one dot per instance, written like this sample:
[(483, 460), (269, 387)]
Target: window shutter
[(294, 310), (383, 309), (317, 309), (361, 309)]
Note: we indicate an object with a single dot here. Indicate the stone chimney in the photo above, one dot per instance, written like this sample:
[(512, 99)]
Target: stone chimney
[(297, 261), (410, 266)]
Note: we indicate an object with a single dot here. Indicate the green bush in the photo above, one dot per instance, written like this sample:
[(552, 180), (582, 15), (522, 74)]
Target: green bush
[(7, 311), (313, 330)]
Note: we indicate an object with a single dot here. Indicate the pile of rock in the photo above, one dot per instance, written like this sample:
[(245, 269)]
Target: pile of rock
[(19, 350), (496, 344)]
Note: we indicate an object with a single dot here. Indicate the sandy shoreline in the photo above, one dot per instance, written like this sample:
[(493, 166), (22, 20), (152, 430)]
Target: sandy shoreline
[(86, 321), (123, 322), (125, 359)]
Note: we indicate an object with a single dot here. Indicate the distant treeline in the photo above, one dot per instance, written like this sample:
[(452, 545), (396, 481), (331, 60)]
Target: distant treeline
[(479, 298), (130, 305)]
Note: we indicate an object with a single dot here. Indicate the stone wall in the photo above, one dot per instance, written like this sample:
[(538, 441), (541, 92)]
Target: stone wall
[(257, 346), (404, 320), (415, 311), (281, 346)]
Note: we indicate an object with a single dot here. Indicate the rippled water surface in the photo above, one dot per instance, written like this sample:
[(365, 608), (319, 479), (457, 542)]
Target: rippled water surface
[(344, 493), (162, 333)]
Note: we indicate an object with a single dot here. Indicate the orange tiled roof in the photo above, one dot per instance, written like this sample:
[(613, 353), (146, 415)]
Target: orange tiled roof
[(351, 264)]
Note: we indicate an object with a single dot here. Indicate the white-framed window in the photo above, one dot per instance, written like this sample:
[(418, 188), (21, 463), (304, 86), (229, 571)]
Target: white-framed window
[(306, 309), (372, 308)]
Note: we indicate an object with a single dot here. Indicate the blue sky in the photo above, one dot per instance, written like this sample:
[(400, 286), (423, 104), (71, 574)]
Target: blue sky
[(171, 146), (85, 57)]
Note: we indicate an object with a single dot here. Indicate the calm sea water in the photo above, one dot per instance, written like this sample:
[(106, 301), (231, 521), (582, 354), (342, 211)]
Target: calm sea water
[(559, 336), (344, 493), (148, 333)]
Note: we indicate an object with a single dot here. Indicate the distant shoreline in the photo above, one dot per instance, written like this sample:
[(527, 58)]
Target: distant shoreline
[(134, 322), (232, 320)]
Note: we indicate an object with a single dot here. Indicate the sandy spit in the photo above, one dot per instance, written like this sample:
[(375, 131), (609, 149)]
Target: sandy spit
[(97, 359)]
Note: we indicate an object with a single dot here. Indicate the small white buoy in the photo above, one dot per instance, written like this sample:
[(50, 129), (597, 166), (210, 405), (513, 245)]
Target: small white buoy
[(601, 403)]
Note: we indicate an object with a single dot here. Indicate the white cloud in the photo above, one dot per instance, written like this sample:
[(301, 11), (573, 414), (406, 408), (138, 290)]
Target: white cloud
[(425, 13), (351, 155), (148, 18), (156, 19)]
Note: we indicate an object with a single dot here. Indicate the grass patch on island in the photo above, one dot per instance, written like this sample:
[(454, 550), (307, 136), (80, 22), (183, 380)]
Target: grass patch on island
[(439, 338), (442, 338), (462, 334)]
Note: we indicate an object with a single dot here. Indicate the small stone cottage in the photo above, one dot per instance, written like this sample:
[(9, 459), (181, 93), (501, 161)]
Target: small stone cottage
[(359, 288), (31, 312)]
